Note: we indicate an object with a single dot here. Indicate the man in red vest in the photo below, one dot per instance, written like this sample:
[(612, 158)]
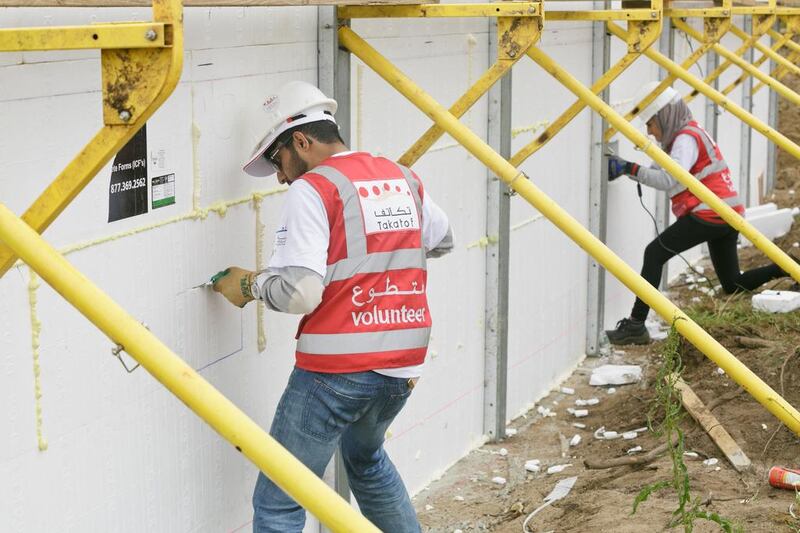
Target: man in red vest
[(350, 255), (669, 120)]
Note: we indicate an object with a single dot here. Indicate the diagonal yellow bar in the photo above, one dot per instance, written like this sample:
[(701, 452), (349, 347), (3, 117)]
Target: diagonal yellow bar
[(181, 379), (499, 9), (123, 35), (774, 84), (779, 73), (527, 190), (757, 63)]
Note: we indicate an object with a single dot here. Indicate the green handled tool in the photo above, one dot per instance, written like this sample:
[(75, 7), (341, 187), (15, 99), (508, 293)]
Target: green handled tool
[(216, 277)]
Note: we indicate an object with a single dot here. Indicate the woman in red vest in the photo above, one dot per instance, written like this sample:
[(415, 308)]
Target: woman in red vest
[(669, 120)]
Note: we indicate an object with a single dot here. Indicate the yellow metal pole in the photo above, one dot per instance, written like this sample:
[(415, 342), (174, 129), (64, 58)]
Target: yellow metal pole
[(718, 98), (774, 84), (779, 73), (529, 149), (135, 82), (760, 61), (550, 209), (180, 379)]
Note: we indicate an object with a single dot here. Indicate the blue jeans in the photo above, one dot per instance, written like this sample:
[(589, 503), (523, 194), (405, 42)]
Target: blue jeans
[(316, 413)]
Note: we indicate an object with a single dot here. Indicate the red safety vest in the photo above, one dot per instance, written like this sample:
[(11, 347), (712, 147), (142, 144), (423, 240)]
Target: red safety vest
[(374, 310), (711, 169)]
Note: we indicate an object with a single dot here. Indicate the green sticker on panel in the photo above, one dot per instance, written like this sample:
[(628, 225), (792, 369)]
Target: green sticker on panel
[(163, 190)]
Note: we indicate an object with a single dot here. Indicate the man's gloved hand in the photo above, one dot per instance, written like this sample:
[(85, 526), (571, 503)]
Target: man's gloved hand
[(235, 286), (618, 167)]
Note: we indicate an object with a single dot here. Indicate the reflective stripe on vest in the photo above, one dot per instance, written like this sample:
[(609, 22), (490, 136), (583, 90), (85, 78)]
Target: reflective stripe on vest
[(353, 223), (376, 341), (376, 262)]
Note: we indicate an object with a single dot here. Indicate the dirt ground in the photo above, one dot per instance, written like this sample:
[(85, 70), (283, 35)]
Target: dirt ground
[(467, 499)]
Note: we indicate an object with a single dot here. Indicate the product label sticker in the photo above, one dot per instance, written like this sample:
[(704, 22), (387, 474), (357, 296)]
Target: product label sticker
[(387, 205), (162, 190), (127, 192)]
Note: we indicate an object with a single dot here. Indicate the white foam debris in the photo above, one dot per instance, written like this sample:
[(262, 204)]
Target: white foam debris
[(692, 455), (580, 413), (628, 435), (717, 469), (510, 432), (696, 299), (720, 371), (545, 411), (635, 449), (796, 245), (791, 191), (764, 427), (503, 452), (575, 440), (610, 435), (532, 465), (700, 269), (458, 498), (567, 390), (711, 461), (640, 430), (555, 469), (429, 507), (578, 425), (776, 301), (615, 375), (590, 401), (499, 480), (611, 390)]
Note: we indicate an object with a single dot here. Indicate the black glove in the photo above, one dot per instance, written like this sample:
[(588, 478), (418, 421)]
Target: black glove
[(618, 167)]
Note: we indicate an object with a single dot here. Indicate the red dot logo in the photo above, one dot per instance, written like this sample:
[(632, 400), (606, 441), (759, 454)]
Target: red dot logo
[(386, 187), (397, 188), (375, 190), (363, 191)]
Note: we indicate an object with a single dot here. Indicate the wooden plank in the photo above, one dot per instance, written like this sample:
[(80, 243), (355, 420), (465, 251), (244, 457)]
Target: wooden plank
[(712, 426), (204, 3)]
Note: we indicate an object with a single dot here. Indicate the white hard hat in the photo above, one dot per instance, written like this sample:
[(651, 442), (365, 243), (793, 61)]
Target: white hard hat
[(294, 104), (668, 95)]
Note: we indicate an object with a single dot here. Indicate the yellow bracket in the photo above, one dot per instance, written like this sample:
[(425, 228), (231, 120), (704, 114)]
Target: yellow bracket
[(747, 68), (641, 36), (714, 29), (514, 37), (515, 179), (123, 35), (605, 14), (141, 65)]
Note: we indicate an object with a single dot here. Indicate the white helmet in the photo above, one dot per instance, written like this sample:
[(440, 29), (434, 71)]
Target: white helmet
[(668, 95), (295, 103)]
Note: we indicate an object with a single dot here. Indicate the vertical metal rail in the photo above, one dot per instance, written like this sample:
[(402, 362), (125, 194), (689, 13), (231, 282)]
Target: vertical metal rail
[(333, 75), (598, 190), (498, 251), (745, 137), (527, 190), (772, 121)]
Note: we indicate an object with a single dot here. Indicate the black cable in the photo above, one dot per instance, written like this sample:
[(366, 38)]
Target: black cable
[(691, 49), (658, 236)]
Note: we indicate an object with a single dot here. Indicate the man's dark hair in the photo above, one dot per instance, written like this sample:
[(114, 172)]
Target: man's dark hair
[(323, 131)]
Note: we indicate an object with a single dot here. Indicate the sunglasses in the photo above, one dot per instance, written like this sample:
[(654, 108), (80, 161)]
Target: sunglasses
[(272, 155)]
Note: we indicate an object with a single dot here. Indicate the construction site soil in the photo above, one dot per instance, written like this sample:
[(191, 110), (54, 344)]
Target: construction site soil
[(467, 499)]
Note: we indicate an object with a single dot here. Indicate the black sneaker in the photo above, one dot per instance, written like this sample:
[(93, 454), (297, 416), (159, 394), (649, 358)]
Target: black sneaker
[(628, 332)]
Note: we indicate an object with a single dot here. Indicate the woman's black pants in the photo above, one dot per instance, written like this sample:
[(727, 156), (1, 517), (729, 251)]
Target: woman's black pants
[(689, 231)]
